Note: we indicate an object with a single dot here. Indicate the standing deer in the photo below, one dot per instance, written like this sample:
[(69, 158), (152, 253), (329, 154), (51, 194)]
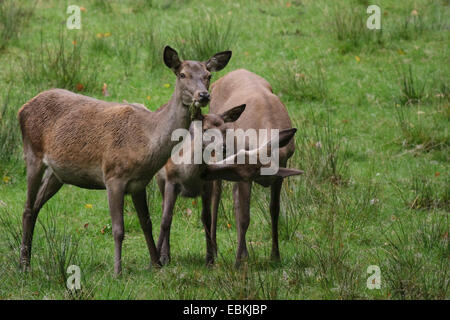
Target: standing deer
[(193, 180), (185, 179), (73, 139), (264, 110)]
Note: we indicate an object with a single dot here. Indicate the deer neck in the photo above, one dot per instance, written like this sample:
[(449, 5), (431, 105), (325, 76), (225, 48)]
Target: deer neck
[(173, 115)]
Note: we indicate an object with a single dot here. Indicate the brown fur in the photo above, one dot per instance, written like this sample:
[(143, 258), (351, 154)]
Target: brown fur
[(186, 180), (264, 110), (105, 145)]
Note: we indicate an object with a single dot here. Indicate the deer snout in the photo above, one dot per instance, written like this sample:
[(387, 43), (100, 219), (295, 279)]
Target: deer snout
[(204, 97)]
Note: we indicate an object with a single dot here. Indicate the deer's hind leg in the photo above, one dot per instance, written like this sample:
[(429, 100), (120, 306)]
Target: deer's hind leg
[(35, 170), (241, 195), (50, 185), (274, 215), (36, 198)]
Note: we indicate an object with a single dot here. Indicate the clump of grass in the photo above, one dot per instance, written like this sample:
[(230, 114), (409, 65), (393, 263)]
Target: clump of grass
[(128, 49), (349, 28), (408, 28), (62, 65), (102, 45), (421, 131), (299, 83), (10, 137), (251, 281), (406, 258), (103, 5), (321, 154), (59, 250), (175, 4), (441, 88), (131, 48), (428, 194), (201, 39), (412, 88), (11, 235), (13, 16), (142, 5), (154, 47)]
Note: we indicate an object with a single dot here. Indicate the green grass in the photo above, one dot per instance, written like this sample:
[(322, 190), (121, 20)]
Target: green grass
[(372, 110)]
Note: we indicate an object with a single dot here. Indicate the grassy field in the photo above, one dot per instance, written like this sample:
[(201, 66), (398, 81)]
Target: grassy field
[(371, 106)]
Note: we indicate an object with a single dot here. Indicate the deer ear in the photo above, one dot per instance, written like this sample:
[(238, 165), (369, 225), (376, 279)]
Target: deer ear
[(218, 61), (171, 59), (287, 172), (221, 171), (286, 136), (233, 114)]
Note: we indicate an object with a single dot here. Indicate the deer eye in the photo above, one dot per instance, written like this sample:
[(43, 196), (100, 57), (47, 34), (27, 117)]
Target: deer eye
[(182, 75)]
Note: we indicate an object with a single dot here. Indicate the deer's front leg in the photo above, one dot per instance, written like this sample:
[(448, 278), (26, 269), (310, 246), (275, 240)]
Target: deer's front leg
[(116, 193), (206, 219), (215, 200), (170, 197), (241, 195), (140, 203)]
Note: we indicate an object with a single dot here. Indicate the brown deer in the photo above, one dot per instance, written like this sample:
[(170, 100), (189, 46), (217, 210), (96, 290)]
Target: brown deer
[(73, 139), (264, 110), (193, 180)]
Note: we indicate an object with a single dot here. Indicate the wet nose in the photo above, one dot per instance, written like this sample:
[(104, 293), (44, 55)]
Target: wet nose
[(204, 96)]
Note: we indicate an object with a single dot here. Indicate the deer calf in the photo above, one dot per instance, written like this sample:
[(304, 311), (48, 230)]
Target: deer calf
[(69, 138)]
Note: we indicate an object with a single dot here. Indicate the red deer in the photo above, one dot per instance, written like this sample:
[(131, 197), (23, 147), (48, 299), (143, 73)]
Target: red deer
[(264, 110), (194, 179), (73, 139)]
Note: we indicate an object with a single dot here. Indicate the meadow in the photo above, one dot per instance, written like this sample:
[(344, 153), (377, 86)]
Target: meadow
[(371, 106)]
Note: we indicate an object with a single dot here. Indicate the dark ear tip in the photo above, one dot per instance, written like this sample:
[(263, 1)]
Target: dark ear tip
[(290, 132)]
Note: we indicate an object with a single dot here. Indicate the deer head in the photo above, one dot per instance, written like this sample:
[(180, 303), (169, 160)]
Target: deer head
[(193, 77)]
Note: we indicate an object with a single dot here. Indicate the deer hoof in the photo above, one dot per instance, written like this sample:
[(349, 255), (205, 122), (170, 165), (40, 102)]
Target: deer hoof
[(209, 260), (164, 259)]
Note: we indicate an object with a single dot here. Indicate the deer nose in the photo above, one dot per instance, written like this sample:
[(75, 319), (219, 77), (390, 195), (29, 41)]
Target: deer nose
[(204, 96)]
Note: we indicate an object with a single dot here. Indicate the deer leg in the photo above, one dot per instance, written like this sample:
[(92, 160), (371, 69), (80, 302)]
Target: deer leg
[(140, 203), (241, 193), (49, 187), (35, 170), (170, 197), (161, 186), (116, 193), (275, 191), (215, 198), (206, 219)]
